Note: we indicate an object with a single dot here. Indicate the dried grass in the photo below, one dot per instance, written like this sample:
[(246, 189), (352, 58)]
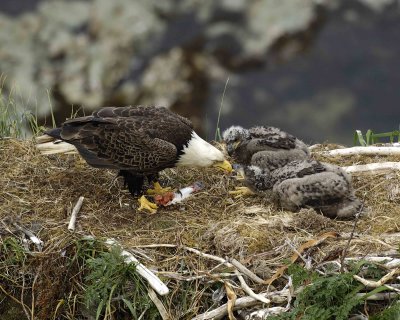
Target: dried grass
[(39, 192)]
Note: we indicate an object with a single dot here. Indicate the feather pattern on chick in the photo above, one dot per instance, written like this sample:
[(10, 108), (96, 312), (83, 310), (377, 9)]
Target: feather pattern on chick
[(266, 147), (307, 184)]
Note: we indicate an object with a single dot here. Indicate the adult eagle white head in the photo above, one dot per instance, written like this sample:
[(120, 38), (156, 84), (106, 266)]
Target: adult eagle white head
[(139, 141)]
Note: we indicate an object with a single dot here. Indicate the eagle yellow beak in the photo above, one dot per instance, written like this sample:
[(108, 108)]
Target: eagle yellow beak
[(225, 165)]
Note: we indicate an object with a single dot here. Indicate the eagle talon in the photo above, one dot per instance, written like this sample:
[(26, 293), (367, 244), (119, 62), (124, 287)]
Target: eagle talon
[(241, 192), (158, 189), (147, 205)]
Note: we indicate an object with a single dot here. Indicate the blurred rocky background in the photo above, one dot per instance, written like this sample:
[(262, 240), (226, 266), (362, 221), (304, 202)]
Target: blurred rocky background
[(316, 68)]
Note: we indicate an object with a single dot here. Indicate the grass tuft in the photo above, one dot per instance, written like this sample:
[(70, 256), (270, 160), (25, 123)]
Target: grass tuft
[(16, 121), (371, 138), (217, 136)]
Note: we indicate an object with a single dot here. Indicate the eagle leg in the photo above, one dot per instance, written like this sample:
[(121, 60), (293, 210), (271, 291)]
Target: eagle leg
[(134, 182), (147, 205), (241, 191)]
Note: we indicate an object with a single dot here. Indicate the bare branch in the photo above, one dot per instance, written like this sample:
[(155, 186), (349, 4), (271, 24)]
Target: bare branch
[(159, 305), (370, 150), (75, 211), (245, 302), (151, 278)]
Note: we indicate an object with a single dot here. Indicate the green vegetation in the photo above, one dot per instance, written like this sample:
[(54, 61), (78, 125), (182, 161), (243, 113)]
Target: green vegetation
[(328, 297), (372, 138), (217, 136), (15, 120), (90, 279), (114, 287)]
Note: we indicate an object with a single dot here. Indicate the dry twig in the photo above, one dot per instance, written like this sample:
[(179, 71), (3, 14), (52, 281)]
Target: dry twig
[(380, 282), (159, 305), (379, 296), (246, 271), (249, 291), (245, 302), (346, 248), (262, 313), (75, 211), (231, 295), (388, 262)]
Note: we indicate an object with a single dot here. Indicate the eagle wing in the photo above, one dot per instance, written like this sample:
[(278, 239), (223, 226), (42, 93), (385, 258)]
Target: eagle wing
[(139, 139), (273, 137)]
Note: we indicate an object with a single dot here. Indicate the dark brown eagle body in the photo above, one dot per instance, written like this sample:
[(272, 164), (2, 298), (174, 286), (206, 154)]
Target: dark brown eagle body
[(139, 141)]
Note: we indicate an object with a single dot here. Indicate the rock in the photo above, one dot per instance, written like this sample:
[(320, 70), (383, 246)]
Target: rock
[(81, 56), (180, 53), (165, 81)]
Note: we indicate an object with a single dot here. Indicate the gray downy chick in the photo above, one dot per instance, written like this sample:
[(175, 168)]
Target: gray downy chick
[(265, 147), (308, 184)]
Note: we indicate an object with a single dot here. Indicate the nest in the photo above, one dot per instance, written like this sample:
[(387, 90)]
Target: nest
[(38, 192)]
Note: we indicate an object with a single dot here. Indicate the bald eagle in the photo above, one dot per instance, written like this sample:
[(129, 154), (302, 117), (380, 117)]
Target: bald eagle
[(307, 183), (139, 141), (263, 146)]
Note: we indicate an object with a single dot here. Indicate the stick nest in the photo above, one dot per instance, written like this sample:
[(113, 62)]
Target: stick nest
[(38, 192)]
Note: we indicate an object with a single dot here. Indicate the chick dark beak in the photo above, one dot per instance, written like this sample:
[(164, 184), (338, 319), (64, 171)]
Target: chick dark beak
[(232, 147)]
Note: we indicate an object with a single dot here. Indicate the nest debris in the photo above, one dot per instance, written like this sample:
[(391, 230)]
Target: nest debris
[(38, 192)]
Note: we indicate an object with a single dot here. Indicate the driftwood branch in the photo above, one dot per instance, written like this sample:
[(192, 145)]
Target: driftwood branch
[(373, 167), (380, 282), (262, 313), (180, 277), (151, 278), (388, 262), (245, 302), (371, 150), (208, 256), (75, 211), (246, 271), (379, 296), (249, 291)]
